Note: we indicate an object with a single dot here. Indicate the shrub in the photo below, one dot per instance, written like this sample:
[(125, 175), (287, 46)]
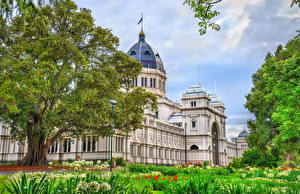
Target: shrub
[(138, 168), (69, 160), (255, 157), (205, 164), (120, 161), (236, 163)]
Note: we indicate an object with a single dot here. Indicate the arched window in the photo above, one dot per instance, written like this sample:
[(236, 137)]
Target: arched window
[(147, 53), (194, 147), (132, 53)]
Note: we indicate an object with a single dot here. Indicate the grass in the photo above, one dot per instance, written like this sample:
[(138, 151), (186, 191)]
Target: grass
[(2, 181)]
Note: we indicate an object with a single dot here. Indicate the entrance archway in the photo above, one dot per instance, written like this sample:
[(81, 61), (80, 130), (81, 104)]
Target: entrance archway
[(215, 144)]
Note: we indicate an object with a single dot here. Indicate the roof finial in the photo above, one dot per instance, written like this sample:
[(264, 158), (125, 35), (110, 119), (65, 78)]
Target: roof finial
[(142, 33)]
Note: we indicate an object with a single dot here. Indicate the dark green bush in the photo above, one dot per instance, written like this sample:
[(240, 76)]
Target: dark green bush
[(205, 164), (236, 163), (69, 160), (120, 161), (255, 157), (138, 168)]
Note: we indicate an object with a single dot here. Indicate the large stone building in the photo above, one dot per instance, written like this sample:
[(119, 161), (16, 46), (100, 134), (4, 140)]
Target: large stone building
[(191, 131)]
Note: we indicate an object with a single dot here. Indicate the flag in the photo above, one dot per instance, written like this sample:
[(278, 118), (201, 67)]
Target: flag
[(140, 20)]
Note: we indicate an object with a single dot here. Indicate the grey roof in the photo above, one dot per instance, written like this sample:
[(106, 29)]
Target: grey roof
[(175, 118), (194, 90), (243, 134), (214, 99), (146, 54)]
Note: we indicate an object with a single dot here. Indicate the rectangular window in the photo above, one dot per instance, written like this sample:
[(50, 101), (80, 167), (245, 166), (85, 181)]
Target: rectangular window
[(84, 144), (89, 144), (136, 82), (52, 148), (146, 82), (154, 83), (131, 149), (69, 145), (94, 144), (142, 81), (150, 82), (122, 144), (119, 144), (159, 84), (150, 152), (56, 147), (65, 145), (193, 124), (139, 151)]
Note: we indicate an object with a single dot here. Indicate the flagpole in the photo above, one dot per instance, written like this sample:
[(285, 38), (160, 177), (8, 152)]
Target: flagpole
[(142, 23)]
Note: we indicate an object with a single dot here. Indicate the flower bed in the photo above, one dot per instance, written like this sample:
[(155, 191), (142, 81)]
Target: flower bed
[(139, 178)]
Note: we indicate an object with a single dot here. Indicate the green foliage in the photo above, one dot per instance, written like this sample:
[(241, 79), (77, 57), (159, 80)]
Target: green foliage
[(275, 102), (205, 13), (255, 157), (58, 71), (215, 180), (205, 164), (236, 163), (120, 161), (196, 184)]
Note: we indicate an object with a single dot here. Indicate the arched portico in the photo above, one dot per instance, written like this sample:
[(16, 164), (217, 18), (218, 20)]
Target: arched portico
[(215, 144)]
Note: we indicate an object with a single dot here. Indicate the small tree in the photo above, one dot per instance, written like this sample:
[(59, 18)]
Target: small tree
[(58, 72)]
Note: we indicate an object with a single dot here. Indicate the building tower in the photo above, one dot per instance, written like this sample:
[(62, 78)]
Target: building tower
[(204, 117), (153, 76)]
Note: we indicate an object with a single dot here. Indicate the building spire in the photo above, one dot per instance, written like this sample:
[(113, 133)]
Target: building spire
[(142, 33)]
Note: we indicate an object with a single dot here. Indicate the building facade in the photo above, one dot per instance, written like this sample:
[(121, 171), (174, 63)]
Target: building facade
[(191, 131)]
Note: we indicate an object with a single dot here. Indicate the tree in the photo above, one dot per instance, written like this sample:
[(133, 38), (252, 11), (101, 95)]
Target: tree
[(275, 102), (268, 55), (58, 72), (295, 2), (204, 11)]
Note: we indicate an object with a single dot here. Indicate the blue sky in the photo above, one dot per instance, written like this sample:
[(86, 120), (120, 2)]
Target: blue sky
[(249, 29)]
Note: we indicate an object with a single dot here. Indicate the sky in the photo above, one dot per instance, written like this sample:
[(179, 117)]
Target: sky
[(225, 59)]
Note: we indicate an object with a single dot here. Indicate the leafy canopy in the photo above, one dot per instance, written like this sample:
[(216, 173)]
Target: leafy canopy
[(58, 71), (275, 101)]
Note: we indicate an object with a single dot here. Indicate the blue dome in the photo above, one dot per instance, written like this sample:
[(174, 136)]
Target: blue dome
[(146, 54), (243, 134), (194, 90)]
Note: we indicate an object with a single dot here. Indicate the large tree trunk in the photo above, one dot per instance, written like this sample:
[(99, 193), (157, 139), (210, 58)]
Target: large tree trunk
[(37, 152)]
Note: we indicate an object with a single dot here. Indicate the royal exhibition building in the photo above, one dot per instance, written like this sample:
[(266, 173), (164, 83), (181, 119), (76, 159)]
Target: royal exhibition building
[(191, 131)]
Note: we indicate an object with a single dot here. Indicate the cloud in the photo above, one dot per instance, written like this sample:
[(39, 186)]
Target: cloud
[(234, 130), (234, 35), (237, 17), (291, 16)]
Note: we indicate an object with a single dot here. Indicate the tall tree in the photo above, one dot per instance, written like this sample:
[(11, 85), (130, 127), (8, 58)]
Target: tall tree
[(275, 102), (58, 71)]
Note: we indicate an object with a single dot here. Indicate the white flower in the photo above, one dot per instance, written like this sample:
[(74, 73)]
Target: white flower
[(105, 186), (50, 163), (94, 186), (82, 185)]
